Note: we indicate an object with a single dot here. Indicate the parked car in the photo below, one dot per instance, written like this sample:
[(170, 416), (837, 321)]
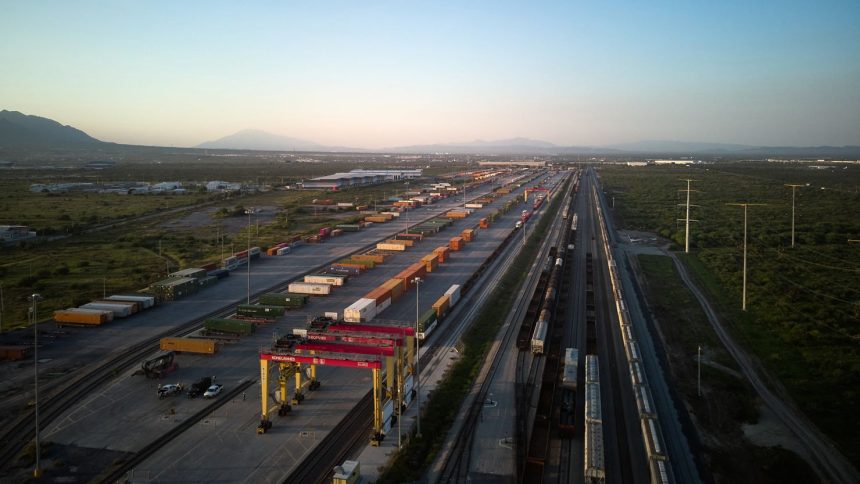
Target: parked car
[(169, 390), (213, 391)]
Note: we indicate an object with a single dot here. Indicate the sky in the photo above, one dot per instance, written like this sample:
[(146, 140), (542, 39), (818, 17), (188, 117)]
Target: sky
[(371, 74)]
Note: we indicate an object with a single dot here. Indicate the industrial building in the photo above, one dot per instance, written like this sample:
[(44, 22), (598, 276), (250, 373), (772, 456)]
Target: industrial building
[(359, 177)]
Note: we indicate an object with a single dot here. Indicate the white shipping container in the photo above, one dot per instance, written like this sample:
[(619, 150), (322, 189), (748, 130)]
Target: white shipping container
[(360, 311), (323, 279), (344, 204), (118, 310), (331, 314), (385, 246), (283, 251), (453, 294), (474, 205), (145, 301), (300, 332), (395, 214), (309, 288)]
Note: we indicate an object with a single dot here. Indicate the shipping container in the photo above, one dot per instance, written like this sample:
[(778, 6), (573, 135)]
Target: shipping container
[(409, 236), (442, 253), (430, 262), (468, 235), (290, 301), (145, 301), (396, 286), (332, 279), (134, 306), (379, 295), (364, 263), (175, 288), (474, 205), (284, 251), (349, 227), (376, 258), (207, 281), (119, 310), (407, 243), (418, 269), (91, 311), (453, 294), (219, 273), (441, 306), (426, 320), (483, 223), (190, 345), (345, 270), (89, 317), (14, 352), (457, 214), (360, 311), (375, 219), (392, 247), (260, 311), (310, 288), (336, 232), (456, 243), (229, 326)]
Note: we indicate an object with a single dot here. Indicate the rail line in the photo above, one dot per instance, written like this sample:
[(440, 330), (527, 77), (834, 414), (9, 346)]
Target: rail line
[(457, 464)]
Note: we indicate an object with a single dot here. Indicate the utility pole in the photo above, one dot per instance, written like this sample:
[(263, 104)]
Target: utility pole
[(687, 218), (699, 378), (793, 187), (744, 293), (249, 211)]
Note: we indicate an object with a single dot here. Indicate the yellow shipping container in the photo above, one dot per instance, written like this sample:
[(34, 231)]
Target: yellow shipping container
[(396, 287), (190, 345), (441, 306)]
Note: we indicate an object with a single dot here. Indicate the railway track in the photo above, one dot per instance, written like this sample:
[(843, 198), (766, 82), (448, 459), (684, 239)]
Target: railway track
[(458, 462), (348, 436)]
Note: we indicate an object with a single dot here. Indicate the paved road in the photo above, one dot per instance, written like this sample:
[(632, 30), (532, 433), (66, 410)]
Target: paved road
[(830, 461)]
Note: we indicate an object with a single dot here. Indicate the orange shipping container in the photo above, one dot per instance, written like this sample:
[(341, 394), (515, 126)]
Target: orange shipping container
[(396, 287), (483, 223), (442, 253), (456, 214), (441, 306), (376, 258), (379, 294), (468, 235), (456, 243), (93, 318), (375, 219), (190, 345), (430, 262)]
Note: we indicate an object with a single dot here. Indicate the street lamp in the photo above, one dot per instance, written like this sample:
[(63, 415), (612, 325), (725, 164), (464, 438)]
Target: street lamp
[(37, 471), (417, 281), (248, 253)]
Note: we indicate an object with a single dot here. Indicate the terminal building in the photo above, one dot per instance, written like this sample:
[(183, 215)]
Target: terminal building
[(359, 177)]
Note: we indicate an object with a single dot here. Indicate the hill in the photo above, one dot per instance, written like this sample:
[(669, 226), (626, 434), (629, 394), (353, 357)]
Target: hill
[(255, 139), (18, 130)]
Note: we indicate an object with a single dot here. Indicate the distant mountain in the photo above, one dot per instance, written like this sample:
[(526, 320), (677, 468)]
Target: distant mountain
[(662, 146), (504, 146), (18, 130), (255, 139)]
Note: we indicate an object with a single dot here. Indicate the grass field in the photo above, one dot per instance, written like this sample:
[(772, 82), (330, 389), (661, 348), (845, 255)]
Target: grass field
[(727, 399), (803, 318)]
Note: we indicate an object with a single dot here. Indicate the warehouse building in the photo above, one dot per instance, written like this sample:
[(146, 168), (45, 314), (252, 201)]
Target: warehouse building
[(359, 177)]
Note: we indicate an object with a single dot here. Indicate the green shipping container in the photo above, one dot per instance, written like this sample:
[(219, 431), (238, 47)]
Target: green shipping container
[(426, 319), (288, 300), (229, 326), (260, 311), (348, 227)]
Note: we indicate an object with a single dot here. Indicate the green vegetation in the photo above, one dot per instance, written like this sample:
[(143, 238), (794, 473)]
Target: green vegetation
[(441, 410), (728, 401), (803, 302)]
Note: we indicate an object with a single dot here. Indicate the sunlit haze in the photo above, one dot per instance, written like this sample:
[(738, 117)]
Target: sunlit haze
[(383, 74)]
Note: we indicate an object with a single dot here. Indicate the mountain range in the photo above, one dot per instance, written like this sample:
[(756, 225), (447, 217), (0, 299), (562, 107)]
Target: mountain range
[(21, 131), (18, 130)]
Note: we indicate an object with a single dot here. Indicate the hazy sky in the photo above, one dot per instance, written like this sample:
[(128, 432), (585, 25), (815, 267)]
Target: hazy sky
[(376, 74)]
